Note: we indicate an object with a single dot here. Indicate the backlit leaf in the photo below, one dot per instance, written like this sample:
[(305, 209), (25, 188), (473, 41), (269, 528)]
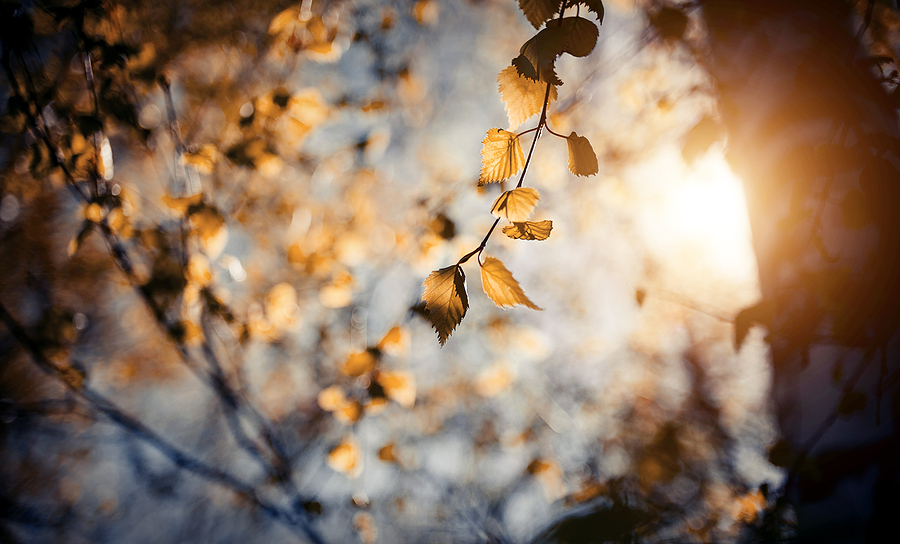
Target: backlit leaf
[(523, 97), (582, 160), (529, 230), (501, 156), (516, 205), (445, 300), (501, 286), (596, 6), (539, 11), (574, 35)]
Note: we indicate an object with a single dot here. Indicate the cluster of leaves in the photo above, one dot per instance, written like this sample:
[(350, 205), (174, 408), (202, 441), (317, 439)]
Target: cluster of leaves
[(527, 87)]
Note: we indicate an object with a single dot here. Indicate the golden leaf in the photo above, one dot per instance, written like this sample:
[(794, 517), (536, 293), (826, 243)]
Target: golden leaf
[(345, 458), (516, 205), (399, 387), (582, 160), (529, 230), (523, 97), (573, 35), (445, 299), (501, 286), (539, 11), (501, 156)]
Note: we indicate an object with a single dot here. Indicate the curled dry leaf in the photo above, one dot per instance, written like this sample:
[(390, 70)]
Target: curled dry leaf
[(529, 230), (445, 300), (582, 160), (501, 156), (516, 205), (501, 286), (523, 97)]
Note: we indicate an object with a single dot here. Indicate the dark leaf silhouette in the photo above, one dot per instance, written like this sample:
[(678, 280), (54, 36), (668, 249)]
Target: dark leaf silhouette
[(573, 35)]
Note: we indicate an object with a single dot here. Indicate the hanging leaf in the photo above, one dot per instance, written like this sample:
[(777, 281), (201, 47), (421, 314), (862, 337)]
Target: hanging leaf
[(516, 205), (596, 6), (500, 285), (523, 97), (573, 35), (529, 230), (539, 11), (445, 300), (501, 156), (582, 160)]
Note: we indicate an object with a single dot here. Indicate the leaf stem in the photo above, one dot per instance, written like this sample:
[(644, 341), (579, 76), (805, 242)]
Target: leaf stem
[(558, 135), (542, 123)]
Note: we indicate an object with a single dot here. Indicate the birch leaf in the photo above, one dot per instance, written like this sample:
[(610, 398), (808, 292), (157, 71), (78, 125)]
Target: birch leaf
[(573, 35), (500, 285), (529, 230), (523, 97), (596, 6), (582, 160), (445, 300), (539, 11), (501, 156), (516, 205)]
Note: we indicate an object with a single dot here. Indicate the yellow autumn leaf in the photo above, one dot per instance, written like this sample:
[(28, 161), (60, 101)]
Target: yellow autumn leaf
[(399, 387), (500, 285), (345, 458), (582, 160), (445, 299), (501, 156), (523, 97), (516, 204), (529, 230)]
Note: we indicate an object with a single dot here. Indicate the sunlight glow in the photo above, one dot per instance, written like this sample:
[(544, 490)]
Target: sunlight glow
[(706, 212)]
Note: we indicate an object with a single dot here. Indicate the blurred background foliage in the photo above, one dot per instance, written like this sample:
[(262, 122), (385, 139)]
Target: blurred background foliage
[(216, 219)]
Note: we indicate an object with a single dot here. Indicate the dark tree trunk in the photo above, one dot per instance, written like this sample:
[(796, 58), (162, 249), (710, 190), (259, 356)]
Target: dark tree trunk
[(813, 134)]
